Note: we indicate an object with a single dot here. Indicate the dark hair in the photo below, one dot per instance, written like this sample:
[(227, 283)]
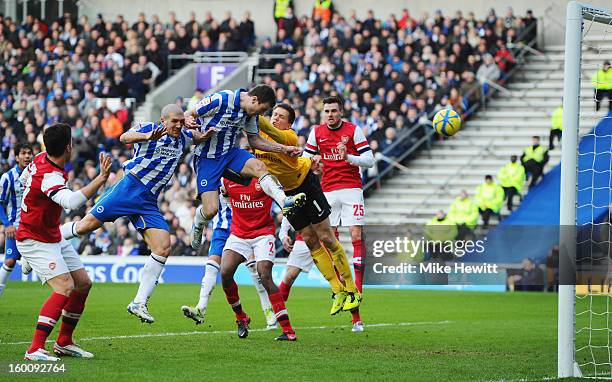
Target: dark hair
[(488, 177), (56, 137), (536, 137), (265, 94), (334, 99), (22, 146), (289, 110)]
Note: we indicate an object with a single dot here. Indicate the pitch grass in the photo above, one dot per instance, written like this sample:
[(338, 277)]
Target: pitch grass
[(462, 336)]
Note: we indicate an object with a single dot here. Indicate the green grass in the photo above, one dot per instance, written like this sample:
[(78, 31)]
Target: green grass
[(447, 336)]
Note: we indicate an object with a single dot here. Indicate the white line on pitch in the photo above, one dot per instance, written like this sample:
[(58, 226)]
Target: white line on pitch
[(234, 331)]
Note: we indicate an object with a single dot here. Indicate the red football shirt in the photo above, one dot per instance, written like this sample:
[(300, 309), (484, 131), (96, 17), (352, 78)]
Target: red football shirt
[(40, 216), (250, 210), (337, 172)]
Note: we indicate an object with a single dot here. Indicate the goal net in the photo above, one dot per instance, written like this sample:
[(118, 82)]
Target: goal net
[(585, 290)]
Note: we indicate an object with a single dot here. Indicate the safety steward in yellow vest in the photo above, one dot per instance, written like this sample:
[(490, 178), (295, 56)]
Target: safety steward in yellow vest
[(464, 212), (602, 83), (490, 199), (534, 159), (512, 178)]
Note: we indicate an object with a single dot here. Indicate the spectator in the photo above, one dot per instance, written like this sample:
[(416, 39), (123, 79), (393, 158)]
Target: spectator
[(489, 198), (503, 57), (322, 11), (602, 83), (556, 127), (512, 178), (281, 7), (464, 212), (534, 159), (112, 127), (529, 279), (440, 228), (488, 71)]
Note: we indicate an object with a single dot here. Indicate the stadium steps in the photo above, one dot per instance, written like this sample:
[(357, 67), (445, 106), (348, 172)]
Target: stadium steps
[(434, 178)]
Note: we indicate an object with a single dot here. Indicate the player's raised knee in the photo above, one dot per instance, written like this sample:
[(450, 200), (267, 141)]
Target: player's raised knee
[(84, 286)]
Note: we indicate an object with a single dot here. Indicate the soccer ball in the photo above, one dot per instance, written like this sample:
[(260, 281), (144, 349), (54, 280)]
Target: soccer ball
[(447, 122)]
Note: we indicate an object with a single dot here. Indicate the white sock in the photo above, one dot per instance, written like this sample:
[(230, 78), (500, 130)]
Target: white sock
[(68, 230), (261, 291), (5, 273), (271, 186), (152, 269), (199, 220), (208, 284)]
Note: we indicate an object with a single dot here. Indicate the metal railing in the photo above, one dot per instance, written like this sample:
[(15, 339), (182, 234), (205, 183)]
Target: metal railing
[(205, 58), (520, 50)]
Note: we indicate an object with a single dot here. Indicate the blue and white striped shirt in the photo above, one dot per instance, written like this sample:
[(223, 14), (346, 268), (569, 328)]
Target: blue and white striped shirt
[(11, 194), (222, 111), (223, 219), (154, 162)]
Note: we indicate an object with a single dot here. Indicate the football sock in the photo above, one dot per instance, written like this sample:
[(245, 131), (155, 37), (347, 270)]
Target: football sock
[(284, 290), (199, 220), (271, 186), (342, 264), (261, 291), (68, 230), (208, 284), (356, 316), (357, 266), (326, 267), (70, 317), (5, 273), (282, 317), (231, 294), (49, 314), (152, 269)]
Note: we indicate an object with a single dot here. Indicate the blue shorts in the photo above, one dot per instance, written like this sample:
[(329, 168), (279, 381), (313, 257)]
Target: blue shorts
[(217, 242), (209, 170), (129, 197), (11, 251)]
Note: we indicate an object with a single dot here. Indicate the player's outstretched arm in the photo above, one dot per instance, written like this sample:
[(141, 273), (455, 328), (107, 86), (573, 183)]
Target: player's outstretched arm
[(199, 137), (55, 187), (256, 141), (130, 137)]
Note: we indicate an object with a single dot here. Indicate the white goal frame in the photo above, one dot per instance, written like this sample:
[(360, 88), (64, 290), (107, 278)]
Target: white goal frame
[(576, 14)]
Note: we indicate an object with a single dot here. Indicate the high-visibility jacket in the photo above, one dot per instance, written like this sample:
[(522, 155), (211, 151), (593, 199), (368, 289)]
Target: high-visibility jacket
[(442, 230), (322, 8), (490, 196), (512, 175), (464, 211), (536, 154), (602, 80), (556, 121), (280, 8)]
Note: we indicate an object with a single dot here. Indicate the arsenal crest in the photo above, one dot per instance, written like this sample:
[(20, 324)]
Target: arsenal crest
[(345, 139), (257, 186)]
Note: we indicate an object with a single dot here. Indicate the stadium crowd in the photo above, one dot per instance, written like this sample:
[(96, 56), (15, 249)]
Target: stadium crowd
[(392, 73)]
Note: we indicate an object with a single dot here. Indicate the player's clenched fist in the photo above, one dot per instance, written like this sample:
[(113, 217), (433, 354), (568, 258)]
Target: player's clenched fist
[(293, 151), (317, 165)]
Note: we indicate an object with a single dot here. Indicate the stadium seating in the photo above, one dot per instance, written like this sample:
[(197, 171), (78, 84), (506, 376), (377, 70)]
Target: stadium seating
[(486, 142)]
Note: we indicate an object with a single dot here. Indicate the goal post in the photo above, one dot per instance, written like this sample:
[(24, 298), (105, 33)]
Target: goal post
[(577, 14)]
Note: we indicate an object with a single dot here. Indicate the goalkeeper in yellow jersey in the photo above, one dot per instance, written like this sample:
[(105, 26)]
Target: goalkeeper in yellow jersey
[(312, 219)]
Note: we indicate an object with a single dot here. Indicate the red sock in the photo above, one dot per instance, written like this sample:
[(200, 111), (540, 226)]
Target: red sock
[(282, 317), (356, 316), (49, 314), (357, 256), (70, 317), (284, 290), (231, 293)]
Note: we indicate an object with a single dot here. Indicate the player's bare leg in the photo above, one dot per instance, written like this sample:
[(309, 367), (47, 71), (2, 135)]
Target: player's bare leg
[(71, 314), (158, 241), (229, 263), (198, 313), (204, 214), (84, 226), (264, 268), (272, 187), (288, 279)]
